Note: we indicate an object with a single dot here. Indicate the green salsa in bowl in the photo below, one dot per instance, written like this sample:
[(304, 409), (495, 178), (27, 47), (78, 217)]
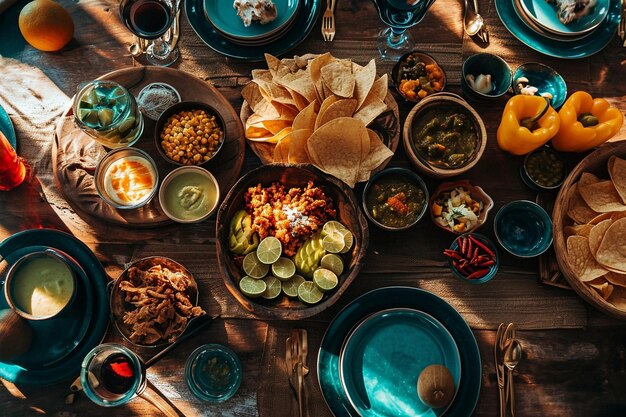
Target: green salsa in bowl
[(189, 194), (543, 169), (395, 199)]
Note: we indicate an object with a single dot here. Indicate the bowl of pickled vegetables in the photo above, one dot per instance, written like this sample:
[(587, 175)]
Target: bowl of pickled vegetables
[(459, 207), (417, 75)]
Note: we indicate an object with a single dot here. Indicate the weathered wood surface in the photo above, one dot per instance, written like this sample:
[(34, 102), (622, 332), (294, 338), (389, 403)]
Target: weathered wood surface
[(575, 357)]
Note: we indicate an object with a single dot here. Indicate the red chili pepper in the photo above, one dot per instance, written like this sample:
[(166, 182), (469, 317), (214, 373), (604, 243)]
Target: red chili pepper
[(470, 247), (482, 246), (475, 253), (486, 263), (478, 274), (453, 255), (462, 244)]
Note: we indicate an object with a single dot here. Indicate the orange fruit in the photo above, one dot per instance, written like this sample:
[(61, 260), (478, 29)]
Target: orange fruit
[(46, 25)]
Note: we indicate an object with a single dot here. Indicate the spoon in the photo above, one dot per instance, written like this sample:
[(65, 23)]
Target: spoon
[(472, 21), (512, 356)]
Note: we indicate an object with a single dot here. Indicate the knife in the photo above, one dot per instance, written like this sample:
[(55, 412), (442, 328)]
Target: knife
[(498, 355), (509, 335)]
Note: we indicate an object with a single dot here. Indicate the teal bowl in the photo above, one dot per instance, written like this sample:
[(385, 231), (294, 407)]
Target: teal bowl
[(545, 79), (523, 228), (484, 63), (492, 270), (213, 373)]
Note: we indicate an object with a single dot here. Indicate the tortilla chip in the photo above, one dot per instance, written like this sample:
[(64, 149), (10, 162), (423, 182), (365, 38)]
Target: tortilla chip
[(298, 147), (600, 218), (602, 197), (602, 287), (281, 150), (380, 87), (597, 234), (364, 80), (251, 93), (587, 178), (275, 126), (340, 108), (582, 261), (273, 139), (325, 104), (370, 110), (612, 250), (306, 118), (339, 78), (578, 230), (292, 74), (616, 279), (577, 209), (377, 155), (617, 172), (315, 71), (255, 133), (337, 147), (616, 215), (618, 298)]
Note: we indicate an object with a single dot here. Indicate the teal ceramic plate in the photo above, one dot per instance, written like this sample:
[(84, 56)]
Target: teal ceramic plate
[(545, 15), (47, 347), (6, 127), (69, 367), (393, 298), (384, 356), (539, 30), (225, 19), (580, 48), (304, 21)]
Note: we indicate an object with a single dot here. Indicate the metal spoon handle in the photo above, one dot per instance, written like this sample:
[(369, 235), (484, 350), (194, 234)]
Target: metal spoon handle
[(502, 402), (511, 394)]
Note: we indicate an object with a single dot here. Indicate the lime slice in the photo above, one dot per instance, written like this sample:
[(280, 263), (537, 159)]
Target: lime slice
[(105, 116), (325, 279), (333, 226), (252, 287), (269, 250), (333, 243), (283, 268), (253, 267), (309, 293), (126, 125), (273, 288), (290, 287), (333, 263), (89, 117), (90, 99), (348, 239)]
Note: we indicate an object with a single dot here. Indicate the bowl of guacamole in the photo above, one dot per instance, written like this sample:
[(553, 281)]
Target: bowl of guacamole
[(189, 194)]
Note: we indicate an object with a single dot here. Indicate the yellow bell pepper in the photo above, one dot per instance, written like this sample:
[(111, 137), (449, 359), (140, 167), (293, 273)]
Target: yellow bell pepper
[(528, 122), (586, 123)]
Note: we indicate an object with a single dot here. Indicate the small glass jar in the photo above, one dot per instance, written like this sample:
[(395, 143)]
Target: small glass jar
[(107, 112), (213, 373)]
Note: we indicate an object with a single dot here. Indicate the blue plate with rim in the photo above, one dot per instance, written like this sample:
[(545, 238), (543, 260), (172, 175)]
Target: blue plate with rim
[(226, 20), (307, 15), (394, 298), (575, 49), (6, 127), (383, 357), (11, 249), (544, 14)]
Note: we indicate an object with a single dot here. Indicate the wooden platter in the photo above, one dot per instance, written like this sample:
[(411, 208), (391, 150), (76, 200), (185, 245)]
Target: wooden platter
[(75, 154), (595, 163), (387, 125)]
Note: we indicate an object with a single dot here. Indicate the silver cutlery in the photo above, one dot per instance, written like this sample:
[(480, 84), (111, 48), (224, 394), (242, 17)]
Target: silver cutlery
[(328, 21), (498, 356), (483, 33), (296, 351), (512, 356)]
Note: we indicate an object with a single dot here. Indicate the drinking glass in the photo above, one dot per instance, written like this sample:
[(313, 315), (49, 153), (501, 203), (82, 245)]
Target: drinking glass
[(112, 375), (399, 15), (150, 19), (13, 169)]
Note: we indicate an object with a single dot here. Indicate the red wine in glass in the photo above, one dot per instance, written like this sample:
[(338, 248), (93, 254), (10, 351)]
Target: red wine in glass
[(148, 19)]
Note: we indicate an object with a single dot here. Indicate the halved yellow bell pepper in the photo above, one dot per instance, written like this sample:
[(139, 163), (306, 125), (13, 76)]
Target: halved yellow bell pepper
[(528, 122), (586, 123)]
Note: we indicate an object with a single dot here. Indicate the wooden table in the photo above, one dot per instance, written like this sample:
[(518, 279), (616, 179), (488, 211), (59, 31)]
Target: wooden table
[(575, 357)]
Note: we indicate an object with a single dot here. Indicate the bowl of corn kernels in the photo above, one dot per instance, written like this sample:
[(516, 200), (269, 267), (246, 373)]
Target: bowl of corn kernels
[(189, 133)]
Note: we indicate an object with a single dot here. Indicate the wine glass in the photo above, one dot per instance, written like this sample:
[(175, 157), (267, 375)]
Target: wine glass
[(150, 19), (399, 15)]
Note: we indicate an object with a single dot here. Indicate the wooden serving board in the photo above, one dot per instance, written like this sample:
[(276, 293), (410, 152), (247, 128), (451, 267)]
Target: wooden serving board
[(596, 164), (75, 154), (387, 125)]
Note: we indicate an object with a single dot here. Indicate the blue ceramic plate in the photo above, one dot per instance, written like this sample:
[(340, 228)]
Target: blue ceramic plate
[(6, 127), (69, 367), (545, 79), (226, 20), (580, 48), (407, 298), (384, 356), (545, 15), (47, 347), (541, 31), (304, 21)]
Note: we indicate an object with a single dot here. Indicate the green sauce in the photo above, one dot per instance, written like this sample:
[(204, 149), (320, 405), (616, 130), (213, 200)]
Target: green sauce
[(394, 201), (545, 168), (190, 196), (42, 286), (445, 137)]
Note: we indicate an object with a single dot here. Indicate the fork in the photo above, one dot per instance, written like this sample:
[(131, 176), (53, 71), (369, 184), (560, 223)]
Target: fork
[(328, 21)]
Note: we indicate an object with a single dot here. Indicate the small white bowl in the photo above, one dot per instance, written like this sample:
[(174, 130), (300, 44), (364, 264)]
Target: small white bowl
[(177, 173)]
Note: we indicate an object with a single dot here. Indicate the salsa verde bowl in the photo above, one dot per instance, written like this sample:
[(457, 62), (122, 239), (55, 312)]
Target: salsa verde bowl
[(233, 223), (434, 145), (189, 194)]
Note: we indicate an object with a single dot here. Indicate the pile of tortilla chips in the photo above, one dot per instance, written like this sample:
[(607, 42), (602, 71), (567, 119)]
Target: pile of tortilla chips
[(316, 111), (596, 242)]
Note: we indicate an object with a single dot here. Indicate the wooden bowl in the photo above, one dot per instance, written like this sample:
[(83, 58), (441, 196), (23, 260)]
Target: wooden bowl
[(477, 193), (442, 100), (596, 164), (348, 213), (426, 59)]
